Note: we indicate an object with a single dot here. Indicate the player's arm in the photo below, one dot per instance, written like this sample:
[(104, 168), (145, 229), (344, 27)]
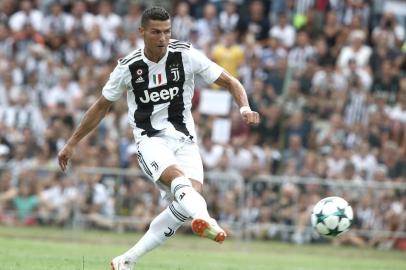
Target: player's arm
[(230, 83), (92, 118)]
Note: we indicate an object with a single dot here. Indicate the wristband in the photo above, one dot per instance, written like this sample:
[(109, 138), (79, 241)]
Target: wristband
[(244, 109)]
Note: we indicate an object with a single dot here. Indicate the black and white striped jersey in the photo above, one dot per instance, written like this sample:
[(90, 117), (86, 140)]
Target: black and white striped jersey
[(159, 95)]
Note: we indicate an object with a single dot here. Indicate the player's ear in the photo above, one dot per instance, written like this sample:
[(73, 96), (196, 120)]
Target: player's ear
[(141, 30)]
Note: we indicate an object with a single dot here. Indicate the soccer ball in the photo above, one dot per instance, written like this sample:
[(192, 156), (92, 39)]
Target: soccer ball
[(332, 216)]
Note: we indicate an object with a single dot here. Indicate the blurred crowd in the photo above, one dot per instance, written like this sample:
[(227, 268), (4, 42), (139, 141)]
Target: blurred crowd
[(328, 78)]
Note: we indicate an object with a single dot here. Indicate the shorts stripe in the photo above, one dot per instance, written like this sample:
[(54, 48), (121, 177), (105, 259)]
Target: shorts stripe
[(143, 164), (177, 214)]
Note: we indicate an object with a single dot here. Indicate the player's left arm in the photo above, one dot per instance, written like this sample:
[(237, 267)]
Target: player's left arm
[(227, 81)]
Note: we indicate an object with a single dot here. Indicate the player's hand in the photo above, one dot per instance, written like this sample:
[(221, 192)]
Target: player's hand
[(250, 117), (64, 155)]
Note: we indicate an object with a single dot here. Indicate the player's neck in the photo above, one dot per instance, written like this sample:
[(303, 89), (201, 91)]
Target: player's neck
[(154, 56)]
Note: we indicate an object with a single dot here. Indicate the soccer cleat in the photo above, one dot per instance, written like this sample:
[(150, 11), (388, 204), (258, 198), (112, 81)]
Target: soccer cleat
[(209, 229), (119, 263)]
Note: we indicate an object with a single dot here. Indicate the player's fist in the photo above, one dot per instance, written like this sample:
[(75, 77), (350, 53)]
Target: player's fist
[(250, 117), (64, 155)]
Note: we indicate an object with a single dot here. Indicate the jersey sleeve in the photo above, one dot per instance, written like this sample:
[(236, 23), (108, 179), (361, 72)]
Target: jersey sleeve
[(117, 83), (203, 66)]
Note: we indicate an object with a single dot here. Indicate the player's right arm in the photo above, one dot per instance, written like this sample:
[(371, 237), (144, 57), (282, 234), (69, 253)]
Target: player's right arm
[(115, 86), (92, 118)]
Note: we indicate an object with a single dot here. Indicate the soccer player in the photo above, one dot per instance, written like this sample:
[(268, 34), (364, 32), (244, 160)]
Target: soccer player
[(159, 82)]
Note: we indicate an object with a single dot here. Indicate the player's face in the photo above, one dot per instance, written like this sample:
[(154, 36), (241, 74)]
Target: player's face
[(156, 35)]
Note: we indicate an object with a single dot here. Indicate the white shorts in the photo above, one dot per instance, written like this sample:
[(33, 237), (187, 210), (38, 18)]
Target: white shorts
[(157, 153)]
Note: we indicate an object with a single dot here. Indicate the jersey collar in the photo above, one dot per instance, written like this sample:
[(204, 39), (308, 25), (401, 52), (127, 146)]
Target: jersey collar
[(149, 62)]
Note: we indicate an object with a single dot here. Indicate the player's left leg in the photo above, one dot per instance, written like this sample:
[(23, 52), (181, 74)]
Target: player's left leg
[(161, 228)]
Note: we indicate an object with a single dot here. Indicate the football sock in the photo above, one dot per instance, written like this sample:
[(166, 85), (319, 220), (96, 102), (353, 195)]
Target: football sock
[(189, 199), (161, 228)]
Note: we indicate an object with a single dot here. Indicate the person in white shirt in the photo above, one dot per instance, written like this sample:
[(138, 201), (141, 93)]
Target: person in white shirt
[(57, 201), (211, 153), (108, 22), (355, 50), (364, 162), (26, 15), (159, 83), (182, 22), (229, 17), (57, 21), (390, 29), (206, 26), (82, 20), (283, 31), (23, 115), (66, 91)]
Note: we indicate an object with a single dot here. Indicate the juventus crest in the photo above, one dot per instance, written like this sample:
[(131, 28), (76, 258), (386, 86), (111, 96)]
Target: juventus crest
[(175, 73)]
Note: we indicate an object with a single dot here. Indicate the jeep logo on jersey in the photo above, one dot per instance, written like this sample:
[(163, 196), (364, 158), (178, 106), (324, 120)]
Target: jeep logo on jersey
[(161, 96)]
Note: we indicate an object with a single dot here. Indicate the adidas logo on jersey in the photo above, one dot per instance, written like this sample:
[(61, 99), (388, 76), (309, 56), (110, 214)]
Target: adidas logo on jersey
[(139, 80), (163, 95)]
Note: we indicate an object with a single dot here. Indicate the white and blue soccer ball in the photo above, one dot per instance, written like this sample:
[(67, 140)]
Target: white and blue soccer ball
[(332, 216)]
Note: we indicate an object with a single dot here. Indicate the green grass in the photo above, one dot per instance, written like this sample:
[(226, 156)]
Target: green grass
[(41, 249)]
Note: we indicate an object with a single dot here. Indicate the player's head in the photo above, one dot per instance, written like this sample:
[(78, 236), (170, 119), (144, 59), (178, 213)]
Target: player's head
[(156, 28)]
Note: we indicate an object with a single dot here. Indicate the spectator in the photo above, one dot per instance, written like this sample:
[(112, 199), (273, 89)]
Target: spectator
[(6, 41), (206, 26), (24, 115), (66, 91), (228, 54), (283, 31), (295, 152), (355, 50), (58, 22), (386, 83), (96, 203), (229, 16), (82, 19), (364, 162), (389, 29), (272, 54), (107, 22), (132, 20), (255, 22), (182, 22), (26, 15), (301, 52), (336, 161), (57, 201)]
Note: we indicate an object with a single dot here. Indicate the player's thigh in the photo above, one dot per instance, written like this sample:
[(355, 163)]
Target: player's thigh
[(188, 158), (154, 156)]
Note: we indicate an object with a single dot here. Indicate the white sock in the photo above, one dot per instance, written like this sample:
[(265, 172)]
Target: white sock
[(189, 199), (161, 228)]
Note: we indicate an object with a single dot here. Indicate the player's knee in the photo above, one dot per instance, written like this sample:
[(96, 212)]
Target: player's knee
[(171, 173), (197, 185)]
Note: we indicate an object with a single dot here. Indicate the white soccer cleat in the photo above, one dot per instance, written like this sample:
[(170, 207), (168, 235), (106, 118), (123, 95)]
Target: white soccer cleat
[(209, 229), (119, 263)]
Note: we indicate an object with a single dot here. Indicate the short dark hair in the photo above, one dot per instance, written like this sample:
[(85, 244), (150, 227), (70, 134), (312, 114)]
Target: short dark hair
[(154, 13)]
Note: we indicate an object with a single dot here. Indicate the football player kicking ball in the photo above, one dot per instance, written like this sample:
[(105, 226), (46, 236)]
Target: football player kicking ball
[(159, 82)]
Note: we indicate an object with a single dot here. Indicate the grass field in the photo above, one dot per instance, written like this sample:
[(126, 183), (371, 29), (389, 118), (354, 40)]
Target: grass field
[(53, 249)]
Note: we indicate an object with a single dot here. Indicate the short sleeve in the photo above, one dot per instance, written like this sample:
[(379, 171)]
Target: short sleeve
[(203, 66), (116, 85)]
